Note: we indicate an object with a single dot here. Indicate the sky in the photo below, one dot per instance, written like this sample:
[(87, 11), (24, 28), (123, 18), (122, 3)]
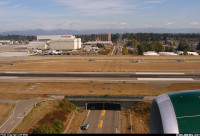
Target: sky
[(98, 14)]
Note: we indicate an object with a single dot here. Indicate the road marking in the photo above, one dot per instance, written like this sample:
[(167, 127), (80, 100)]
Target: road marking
[(158, 73), (165, 79), (100, 124), (12, 122), (88, 113), (3, 130), (103, 113), (19, 114)]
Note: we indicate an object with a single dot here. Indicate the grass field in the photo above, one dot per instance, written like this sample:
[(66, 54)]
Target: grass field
[(102, 64), (6, 111), (35, 90)]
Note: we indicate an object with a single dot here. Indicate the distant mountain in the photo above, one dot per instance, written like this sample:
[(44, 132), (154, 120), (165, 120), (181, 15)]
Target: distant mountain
[(93, 31)]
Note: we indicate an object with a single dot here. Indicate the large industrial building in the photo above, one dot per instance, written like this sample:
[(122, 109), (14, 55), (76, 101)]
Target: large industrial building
[(54, 37), (56, 42), (102, 37), (65, 44), (38, 45)]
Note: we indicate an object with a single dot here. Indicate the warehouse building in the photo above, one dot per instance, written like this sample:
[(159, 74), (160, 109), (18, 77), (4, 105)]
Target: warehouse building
[(60, 42), (65, 44), (54, 37), (38, 45)]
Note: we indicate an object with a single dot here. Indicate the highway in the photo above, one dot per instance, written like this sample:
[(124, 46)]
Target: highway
[(102, 122), (118, 48)]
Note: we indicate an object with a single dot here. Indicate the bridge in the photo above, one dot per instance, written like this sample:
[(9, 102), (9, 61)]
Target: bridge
[(106, 102)]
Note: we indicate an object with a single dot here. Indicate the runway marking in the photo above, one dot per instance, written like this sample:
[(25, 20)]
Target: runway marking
[(16, 72), (165, 79), (100, 124), (103, 113), (158, 73), (7, 77)]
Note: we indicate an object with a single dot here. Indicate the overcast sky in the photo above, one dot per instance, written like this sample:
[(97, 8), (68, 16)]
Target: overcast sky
[(98, 14)]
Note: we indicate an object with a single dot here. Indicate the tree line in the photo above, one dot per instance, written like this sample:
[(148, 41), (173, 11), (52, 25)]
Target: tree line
[(17, 37)]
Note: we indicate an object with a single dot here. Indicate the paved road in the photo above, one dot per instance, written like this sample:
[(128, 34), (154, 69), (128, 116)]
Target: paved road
[(20, 111), (118, 48), (102, 122)]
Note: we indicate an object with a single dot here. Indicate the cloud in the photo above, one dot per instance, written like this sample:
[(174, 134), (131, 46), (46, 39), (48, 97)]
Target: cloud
[(194, 23), (170, 23)]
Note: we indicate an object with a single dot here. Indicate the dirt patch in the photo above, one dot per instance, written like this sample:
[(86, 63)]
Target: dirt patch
[(6, 111), (125, 122), (140, 114)]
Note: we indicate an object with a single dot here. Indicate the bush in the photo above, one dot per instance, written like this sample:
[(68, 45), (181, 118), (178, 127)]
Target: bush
[(67, 106), (58, 126), (44, 129)]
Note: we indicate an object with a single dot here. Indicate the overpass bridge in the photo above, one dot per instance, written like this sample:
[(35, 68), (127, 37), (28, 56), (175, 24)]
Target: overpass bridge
[(107, 102)]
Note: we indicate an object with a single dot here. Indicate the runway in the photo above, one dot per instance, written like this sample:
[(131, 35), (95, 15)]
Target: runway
[(97, 76)]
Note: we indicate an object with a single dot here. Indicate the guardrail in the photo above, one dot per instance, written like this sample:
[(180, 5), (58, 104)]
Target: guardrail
[(103, 97)]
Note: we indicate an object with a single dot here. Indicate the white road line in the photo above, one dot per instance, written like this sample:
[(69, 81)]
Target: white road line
[(165, 79), (12, 122), (158, 73), (88, 113), (19, 114), (3, 130)]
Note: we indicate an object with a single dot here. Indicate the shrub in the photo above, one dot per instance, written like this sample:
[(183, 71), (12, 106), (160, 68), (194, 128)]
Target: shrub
[(67, 106), (44, 129), (58, 126)]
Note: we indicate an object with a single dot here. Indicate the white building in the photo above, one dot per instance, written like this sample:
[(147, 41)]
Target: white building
[(167, 53), (38, 45), (67, 44), (4, 42), (193, 53), (54, 37), (150, 53), (180, 52), (61, 42)]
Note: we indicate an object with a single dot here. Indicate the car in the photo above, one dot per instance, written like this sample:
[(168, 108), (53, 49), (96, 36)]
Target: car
[(85, 127)]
